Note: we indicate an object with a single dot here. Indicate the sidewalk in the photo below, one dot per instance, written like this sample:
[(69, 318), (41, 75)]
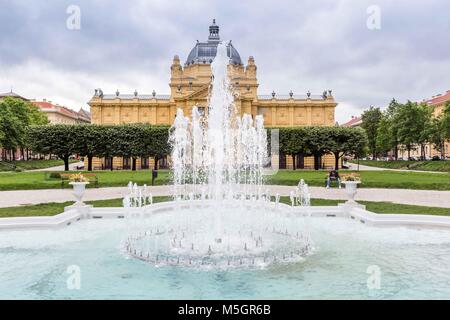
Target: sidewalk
[(72, 167), (354, 166), (429, 198)]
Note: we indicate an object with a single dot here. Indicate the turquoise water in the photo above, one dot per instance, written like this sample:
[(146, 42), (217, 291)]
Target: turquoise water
[(413, 264)]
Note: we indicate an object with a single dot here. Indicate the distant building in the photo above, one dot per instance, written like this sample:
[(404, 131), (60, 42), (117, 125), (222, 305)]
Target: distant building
[(437, 103), (353, 122), (189, 86), (57, 114), (11, 94)]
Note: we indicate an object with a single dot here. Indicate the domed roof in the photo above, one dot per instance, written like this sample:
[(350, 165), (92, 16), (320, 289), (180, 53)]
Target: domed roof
[(205, 52)]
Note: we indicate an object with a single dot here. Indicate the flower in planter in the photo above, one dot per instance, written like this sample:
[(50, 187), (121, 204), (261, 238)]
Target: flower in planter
[(78, 177), (351, 177)]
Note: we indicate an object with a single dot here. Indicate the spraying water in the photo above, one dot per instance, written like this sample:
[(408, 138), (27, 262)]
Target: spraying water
[(226, 219), (222, 154)]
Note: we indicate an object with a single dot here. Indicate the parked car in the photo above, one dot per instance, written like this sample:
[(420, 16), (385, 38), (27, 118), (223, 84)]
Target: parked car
[(435, 158)]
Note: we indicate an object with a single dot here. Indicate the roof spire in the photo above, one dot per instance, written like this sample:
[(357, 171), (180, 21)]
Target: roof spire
[(213, 32)]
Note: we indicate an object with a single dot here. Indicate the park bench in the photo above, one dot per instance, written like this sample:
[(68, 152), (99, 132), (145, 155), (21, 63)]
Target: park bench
[(332, 179), (92, 177)]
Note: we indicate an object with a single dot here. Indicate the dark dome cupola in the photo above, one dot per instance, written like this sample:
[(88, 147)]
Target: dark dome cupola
[(205, 52), (214, 32)]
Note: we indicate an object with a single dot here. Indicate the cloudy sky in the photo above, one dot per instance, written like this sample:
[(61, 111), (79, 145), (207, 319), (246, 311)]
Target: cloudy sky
[(298, 45)]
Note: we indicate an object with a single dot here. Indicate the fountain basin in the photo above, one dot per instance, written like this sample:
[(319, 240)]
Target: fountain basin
[(205, 234), (413, 262)]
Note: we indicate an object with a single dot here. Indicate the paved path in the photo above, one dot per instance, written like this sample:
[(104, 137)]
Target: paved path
[(72, 166), (354, 166), (416, 197)]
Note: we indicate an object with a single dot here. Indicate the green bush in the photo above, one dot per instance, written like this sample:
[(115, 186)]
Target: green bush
[(54, 175)]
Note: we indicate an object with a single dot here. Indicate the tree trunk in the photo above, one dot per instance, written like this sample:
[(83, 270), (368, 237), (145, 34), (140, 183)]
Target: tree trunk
[(89, 162), (66, 163), (301, 161), (396, 152), (133, 166), (112, 159), (155, 166), (293, 162), (409, 153), (316, 162), (336, 161)]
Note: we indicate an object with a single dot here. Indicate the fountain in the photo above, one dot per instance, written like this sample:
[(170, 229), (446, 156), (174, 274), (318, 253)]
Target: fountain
[(221, 215)]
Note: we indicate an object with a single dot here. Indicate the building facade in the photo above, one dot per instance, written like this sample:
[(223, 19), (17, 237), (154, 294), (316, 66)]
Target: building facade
[(57, 114), (189, 86), (11, 94), (355, 121)]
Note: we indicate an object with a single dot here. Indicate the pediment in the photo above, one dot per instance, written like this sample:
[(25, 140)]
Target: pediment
[(201, 93)]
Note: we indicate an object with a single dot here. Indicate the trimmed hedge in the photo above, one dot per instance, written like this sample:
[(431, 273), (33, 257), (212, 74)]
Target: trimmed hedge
[(142, 140)]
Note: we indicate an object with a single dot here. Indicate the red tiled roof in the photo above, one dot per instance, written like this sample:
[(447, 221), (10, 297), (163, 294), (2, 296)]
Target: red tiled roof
[(439, 99), (352, 122), (45, 105)]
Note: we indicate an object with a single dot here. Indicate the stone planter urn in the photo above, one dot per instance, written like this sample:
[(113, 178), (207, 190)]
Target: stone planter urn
[(350, 190), (78, 191)]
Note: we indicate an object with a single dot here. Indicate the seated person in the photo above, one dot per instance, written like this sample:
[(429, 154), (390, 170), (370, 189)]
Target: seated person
[(333, 175)]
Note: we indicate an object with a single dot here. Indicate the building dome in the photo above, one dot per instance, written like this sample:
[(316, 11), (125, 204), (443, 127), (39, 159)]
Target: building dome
[(205, 52)]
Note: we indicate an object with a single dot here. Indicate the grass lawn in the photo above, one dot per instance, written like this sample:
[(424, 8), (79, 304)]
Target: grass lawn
[(30, 164), (50, 209), (382, 207), (40, 180), (442, 165), (371, 179)]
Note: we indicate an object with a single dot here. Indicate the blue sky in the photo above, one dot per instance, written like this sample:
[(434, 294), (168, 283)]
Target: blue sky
[(297, 45)]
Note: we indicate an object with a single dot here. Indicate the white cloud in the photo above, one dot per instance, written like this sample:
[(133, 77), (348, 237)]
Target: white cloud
[(298, 45)]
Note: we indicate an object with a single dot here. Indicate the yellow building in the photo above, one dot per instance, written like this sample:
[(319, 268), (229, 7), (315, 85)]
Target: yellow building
[(189, 86)]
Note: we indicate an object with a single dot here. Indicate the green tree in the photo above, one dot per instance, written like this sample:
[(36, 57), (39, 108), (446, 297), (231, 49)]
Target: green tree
[(446, 120), (318, 141), (413, 122), (370, 122), (384, 135), (16, 115), (14, 120), (293, 142), (60, 140), (392, 114), (36, 116), (425, 126), (156, 142), (88, 141), (346, 140), (438, 134)]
